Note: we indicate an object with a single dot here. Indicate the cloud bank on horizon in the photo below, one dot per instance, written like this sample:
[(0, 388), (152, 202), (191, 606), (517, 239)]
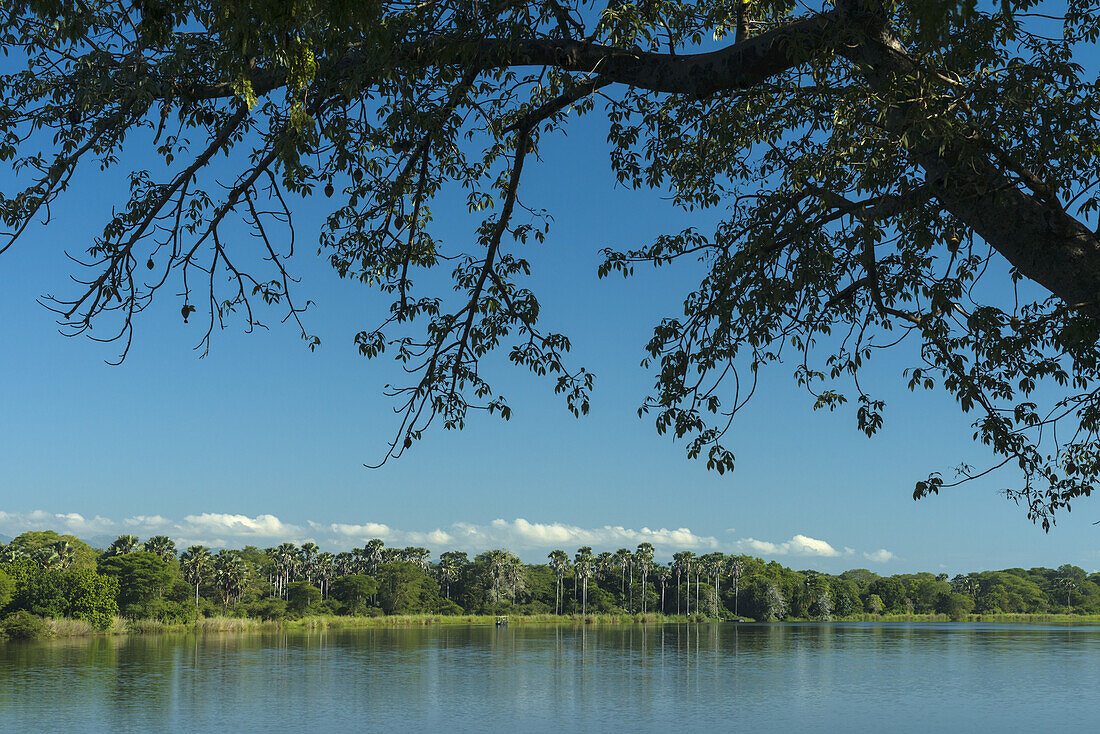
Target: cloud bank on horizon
[(220, 530)]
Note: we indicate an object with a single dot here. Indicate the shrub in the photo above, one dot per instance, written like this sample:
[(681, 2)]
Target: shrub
[(142, 576), (448, 606), (267, 609), (7, 588), (24, 626), (301, 597)]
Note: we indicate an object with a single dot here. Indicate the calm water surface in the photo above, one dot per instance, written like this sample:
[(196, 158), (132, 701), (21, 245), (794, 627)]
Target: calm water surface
[(832, 677)]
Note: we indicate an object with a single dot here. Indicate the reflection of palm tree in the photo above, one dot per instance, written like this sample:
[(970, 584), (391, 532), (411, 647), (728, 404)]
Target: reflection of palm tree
[(194, 563), (559, 562)]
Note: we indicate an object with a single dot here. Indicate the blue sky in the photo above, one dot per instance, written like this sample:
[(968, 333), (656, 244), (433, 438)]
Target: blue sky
[(263, 441)]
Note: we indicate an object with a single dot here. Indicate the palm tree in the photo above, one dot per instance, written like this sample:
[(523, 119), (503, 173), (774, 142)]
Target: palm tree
[(345, 563), (502, 570), (514, 572), (1069, 583), (584, 563), (308, 553), (451, 564), (161, 545), (665, 575), (604, 564), (559, 562), (422, 557), (621, 559), (230, 574), (286, 560), (122, 545), (712, 564), (681, 564), (373, 554), (643, 557), (737, 569), (326, 568), (194, 563)]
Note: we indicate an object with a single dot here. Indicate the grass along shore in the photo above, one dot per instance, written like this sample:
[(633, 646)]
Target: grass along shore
[(122, 626), (61, 628)]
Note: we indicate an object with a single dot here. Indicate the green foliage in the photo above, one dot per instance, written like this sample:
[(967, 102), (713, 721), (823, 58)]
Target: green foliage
[(23, 625), (7, 589), (355, 591), (302, 597), (76, 592), (90, 597), (144, 586), (78, 554), (955, 606), (404, 588), (871, 167), (266, 609), (142, 578)]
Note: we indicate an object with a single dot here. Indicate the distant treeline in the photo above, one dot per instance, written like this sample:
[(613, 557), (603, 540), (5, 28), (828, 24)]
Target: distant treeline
[(49, 575)]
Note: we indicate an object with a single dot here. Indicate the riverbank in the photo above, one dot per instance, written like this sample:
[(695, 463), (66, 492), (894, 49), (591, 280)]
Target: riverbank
[(64, 628), (121, 626)]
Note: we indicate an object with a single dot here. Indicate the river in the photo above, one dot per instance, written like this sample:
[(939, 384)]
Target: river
[(851, 677)]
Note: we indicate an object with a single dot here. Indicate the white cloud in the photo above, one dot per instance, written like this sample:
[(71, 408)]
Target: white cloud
[(63, 522), (363, 532), (146, 522), (522, 534), (242, 526), (880, 556), (799, 545)]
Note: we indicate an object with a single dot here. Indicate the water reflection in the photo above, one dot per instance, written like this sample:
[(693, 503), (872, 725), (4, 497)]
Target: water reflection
[(848, 677)]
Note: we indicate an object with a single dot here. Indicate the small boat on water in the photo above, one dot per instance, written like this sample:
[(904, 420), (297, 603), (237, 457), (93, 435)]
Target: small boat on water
[(502, 621)]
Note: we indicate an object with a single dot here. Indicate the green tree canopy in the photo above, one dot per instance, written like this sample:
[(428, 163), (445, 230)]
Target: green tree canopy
[(354, 591), (883, 171), (404, 587), (7, 589), (142, 577), (301, 597), (80, 554)]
